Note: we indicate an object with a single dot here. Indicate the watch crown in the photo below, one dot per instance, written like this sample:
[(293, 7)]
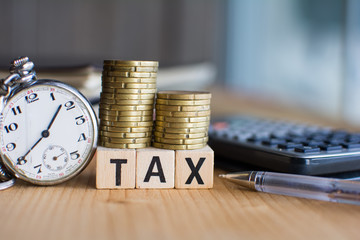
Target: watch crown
[(19, 61), (21, 65), (24, 68), (4, 175)]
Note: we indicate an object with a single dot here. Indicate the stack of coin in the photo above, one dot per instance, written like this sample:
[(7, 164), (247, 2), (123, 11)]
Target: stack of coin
[(182, 120), (127, 103)]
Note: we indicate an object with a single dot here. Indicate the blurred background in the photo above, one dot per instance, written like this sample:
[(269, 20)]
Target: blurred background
[(301, 53)]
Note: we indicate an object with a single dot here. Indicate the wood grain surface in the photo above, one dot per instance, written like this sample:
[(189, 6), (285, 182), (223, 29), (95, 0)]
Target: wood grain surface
[(76, 210)]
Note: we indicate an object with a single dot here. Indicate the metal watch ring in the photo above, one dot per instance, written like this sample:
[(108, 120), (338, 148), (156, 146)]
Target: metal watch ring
[(7, 184), (11, 78), (25, 79)]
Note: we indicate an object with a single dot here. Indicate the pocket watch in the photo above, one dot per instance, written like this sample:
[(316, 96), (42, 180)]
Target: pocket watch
[(48, 129)]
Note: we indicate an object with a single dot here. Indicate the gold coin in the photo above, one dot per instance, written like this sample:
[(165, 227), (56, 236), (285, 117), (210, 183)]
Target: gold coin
[(182, 102), (129, 85), (115, 74), (181, 130), (132, 63), (129, 69), (181, 141), (181, 125), (126, 108), (109, 68), (129, 91), (124, 145), (130, 74), (178, 147), (127, 102), (125, 140), (146, 69), (125, 113), (126, 130), (127, 80), (182, 119), (128, 96), (184, 95), (125, 135), (183, 114), (126, 119), (180, 135), (126, 124), (182, 108)]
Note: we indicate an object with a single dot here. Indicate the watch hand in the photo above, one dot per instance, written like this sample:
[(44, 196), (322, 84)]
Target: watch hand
[(60, 155), (56, 157), (33, 147), (22, 158), (54, 117), (44, 134)]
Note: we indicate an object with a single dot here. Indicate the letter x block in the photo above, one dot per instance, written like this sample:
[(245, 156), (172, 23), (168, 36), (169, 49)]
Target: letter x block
[(194, 168), (115, 168), (155, 168)]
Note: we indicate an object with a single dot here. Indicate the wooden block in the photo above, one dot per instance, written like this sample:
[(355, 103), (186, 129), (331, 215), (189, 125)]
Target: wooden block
[(115, 168), (194, 168), (155, 168)]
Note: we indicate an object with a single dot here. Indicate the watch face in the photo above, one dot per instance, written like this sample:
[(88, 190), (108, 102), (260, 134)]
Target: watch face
[(48, 133)]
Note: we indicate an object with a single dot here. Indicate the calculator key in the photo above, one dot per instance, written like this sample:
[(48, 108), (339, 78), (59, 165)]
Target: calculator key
[(325, 130), (351, 146), (219, 133), (313, 143), (256, 139), (278, 134), (295, 134), (297, 140), (289, 145), (307, 149), (351, 138), (273, 141), (330, 147), (262, 134), (355, 134), (242, 136), (228, 134), (319, 137), (339, 134), (335, 141)]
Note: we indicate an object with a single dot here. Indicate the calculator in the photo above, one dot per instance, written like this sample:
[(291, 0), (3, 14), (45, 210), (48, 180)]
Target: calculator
[(285, 146)]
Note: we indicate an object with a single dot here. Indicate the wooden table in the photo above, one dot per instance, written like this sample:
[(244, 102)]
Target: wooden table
[(76, 210)]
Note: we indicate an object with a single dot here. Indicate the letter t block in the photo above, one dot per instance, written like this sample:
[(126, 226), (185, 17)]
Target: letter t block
[(194, 168), (115, 168)]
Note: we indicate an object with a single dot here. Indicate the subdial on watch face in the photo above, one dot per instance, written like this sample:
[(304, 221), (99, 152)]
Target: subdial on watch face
[(55, 158)]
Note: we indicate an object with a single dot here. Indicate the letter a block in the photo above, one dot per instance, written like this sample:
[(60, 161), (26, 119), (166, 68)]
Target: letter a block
[(155, 168), (115, 168), (194, 168)]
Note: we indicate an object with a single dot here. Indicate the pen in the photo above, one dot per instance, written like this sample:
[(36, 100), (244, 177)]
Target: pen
[(320, 188)]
